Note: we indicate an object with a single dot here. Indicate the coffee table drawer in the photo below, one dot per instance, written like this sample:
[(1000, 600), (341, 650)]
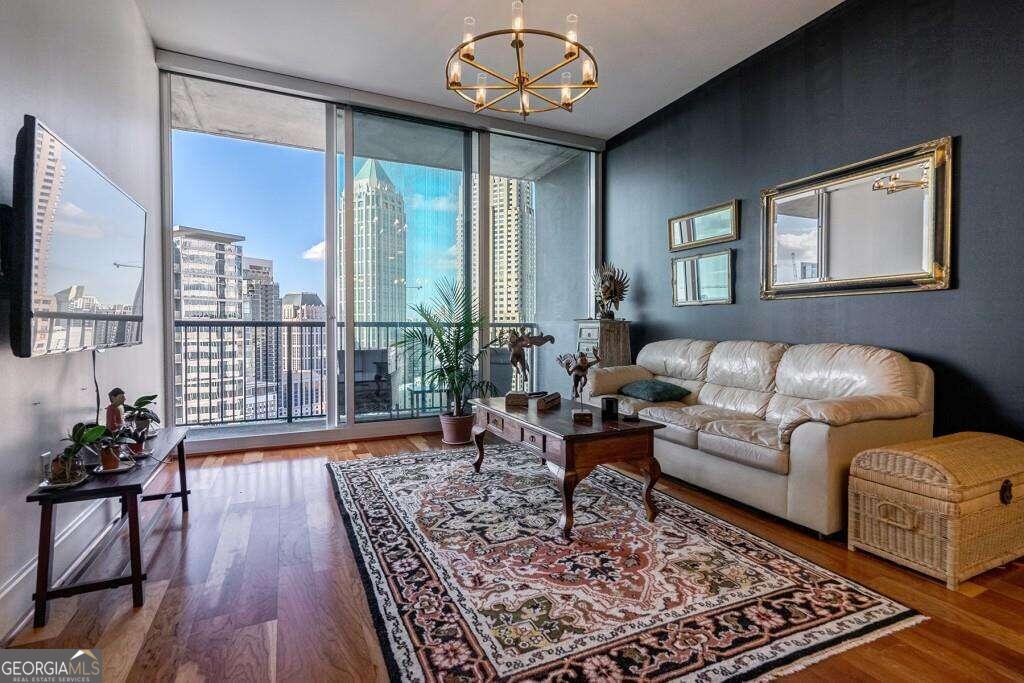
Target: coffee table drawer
[(495, 421), (535, 440)]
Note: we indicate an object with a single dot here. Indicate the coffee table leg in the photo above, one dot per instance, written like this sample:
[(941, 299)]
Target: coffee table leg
[(478, 438), (567, 482), (652, 469)]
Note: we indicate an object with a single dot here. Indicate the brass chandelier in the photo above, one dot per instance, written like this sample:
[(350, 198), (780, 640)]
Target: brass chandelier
[(533, 96)]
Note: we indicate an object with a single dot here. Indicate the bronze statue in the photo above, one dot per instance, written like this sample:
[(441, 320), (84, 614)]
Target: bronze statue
[(518, 342), (577, 367), (610, 287)]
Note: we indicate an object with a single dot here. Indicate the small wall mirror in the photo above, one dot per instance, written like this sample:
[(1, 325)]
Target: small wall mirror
[(702, 279), (882, 225), (714, 224)]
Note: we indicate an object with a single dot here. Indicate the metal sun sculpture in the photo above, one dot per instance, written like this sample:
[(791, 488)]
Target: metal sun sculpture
[(611, 285), (493, 95)]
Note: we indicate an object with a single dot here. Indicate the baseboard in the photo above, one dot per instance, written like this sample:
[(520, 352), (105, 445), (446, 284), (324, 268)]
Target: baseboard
[(71, 546)]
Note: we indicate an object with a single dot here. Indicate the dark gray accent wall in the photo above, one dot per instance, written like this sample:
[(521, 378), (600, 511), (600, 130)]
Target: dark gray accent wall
[(868, 77)]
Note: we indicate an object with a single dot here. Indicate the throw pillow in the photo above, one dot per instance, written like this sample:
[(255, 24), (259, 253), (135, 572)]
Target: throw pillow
[(654, 390)]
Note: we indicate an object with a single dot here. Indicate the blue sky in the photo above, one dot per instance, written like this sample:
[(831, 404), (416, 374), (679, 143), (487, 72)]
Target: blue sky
[(273, 195)]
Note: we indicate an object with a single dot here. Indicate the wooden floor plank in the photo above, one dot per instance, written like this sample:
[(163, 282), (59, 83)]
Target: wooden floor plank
[(258, 582)]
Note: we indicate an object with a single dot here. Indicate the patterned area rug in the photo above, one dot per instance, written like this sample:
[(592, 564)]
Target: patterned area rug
[(469, 580)]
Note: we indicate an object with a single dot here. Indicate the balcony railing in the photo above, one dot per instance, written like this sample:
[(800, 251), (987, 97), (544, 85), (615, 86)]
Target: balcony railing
[(234, 372)]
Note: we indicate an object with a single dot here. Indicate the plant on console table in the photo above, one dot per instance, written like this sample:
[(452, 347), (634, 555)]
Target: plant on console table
[(69, 466), (110, 447), (450, 334), (140, 414)]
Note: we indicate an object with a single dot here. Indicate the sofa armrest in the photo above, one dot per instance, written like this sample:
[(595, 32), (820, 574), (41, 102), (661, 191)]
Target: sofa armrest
[(601, 381), (845, 410)]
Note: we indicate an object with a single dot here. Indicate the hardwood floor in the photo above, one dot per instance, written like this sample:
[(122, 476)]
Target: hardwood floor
[(258, 583)]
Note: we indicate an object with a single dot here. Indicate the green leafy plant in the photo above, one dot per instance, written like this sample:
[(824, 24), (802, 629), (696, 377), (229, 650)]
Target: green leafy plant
[(122, 437), (453, 323), (67, 466), (139, 411)]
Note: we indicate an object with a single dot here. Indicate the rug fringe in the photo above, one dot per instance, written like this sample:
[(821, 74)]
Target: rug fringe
[(810, 660)]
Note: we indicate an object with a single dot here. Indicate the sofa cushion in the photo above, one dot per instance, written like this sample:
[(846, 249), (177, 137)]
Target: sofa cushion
[(654, 390), (683, 422), (679, 358), (630, 406), (609, 380), (741, 376), (835, 370), (754, 443)]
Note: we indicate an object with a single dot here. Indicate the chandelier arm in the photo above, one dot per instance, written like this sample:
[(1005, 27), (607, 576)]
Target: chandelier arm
[(519, 44), (556, 67), (544, 97), (488, 105), (482, 87), (491, 72), (558, 86)]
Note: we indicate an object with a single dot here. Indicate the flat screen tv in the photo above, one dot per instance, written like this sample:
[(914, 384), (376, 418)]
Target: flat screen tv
[(74, 251)]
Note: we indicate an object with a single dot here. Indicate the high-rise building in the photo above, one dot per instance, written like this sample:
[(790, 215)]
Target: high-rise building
[(261, 295), (305, 367), (209, 360), (380, 241), (513, 249), (47, 189)]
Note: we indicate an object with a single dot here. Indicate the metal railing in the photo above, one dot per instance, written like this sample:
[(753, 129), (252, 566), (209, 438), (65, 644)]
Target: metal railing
[(235, 372)]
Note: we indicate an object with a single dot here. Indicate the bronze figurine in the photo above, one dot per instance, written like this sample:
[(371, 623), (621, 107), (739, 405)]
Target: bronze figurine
[(576, 367), (518, 342), (610, 287)]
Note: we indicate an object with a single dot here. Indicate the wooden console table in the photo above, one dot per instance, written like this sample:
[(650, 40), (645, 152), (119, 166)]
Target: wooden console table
[(127, 486), (574, 449)]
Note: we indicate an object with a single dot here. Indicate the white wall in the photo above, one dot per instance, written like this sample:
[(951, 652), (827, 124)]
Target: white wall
[(86, 68)]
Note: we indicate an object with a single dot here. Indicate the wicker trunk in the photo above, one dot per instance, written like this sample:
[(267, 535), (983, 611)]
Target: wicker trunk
[(951, 507)]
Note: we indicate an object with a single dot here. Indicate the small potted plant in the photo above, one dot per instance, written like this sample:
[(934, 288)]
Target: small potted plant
[(136, 440), (140, 414), (109, 446), (449, 336), (68, 468)]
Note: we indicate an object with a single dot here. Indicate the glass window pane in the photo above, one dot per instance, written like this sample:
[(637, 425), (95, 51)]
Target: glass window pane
[(540, 250), (407, 196), (248, 236)]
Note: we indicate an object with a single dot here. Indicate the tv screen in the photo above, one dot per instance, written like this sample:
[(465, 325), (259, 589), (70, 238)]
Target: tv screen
[(79, 251)]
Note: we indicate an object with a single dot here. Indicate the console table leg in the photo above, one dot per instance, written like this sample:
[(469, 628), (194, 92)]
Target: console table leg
[(567, 483), (44, 567), (478, 438), (136, 549), (181, 476), (652, 470)]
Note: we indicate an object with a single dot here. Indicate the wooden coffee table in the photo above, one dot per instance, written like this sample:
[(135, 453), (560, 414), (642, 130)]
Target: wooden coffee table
[(573, 449)]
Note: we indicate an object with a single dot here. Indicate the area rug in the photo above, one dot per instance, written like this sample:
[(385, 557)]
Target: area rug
[(469, 580)]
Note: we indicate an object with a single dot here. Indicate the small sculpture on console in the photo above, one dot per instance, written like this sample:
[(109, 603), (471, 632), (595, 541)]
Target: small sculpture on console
[(610, 287), (577, 367), (518, 342), (115, 414)]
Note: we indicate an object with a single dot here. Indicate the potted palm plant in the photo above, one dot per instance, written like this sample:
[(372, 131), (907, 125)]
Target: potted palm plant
[(450, 337)]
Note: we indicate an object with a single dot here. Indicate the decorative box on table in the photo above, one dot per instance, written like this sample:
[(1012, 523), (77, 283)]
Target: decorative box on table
[(951, 507)]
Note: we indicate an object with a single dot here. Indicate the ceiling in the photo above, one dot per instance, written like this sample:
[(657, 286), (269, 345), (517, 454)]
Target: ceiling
[(649, 52)]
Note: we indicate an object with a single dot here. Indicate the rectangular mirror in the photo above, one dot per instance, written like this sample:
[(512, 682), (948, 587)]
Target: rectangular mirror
[(715, 224), (882, 225), (702, 279)]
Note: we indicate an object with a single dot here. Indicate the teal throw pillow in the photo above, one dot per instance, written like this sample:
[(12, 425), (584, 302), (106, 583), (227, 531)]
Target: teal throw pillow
[(654, 390)]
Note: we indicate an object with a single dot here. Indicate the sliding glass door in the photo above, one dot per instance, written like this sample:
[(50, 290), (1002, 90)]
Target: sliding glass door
[(306, 234)]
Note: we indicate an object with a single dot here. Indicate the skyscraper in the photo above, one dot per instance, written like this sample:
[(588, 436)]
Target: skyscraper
[(261, 294), (380, 241), (513, 249), (305, 366), (47, 189)]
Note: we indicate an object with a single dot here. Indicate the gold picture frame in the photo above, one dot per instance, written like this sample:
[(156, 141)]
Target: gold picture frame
[(678, 226), (688, 286), (933, 160)]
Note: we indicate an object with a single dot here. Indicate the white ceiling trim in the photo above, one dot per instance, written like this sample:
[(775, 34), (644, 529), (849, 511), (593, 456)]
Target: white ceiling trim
[(190, 65)]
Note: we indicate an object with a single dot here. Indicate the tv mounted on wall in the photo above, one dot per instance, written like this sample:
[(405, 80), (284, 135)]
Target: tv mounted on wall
[(74, 251)]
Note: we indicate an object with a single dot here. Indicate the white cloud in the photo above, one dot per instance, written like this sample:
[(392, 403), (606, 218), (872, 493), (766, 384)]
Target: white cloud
[(73, 220), (315, 252), (805, 245), (437, 203)]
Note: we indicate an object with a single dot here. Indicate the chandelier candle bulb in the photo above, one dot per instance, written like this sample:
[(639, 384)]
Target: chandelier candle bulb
[(572, 33), (481, 90), (468, 27), (518, 20), (526, 102), (588, 71), (455, 74), (566, 90)]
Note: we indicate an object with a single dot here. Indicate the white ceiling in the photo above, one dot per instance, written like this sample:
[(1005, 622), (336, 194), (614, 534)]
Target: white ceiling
[(649, 53)]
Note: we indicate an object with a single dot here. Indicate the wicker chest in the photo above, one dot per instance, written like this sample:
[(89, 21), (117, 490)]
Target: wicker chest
[(951, 507)]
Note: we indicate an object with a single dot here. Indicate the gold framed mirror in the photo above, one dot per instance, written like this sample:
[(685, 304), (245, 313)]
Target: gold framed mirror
[(702, 279), (881, 225), (719, 223)]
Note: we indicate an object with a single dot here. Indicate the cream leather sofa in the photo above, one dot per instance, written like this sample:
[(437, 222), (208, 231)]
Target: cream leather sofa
[(773, 425)]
